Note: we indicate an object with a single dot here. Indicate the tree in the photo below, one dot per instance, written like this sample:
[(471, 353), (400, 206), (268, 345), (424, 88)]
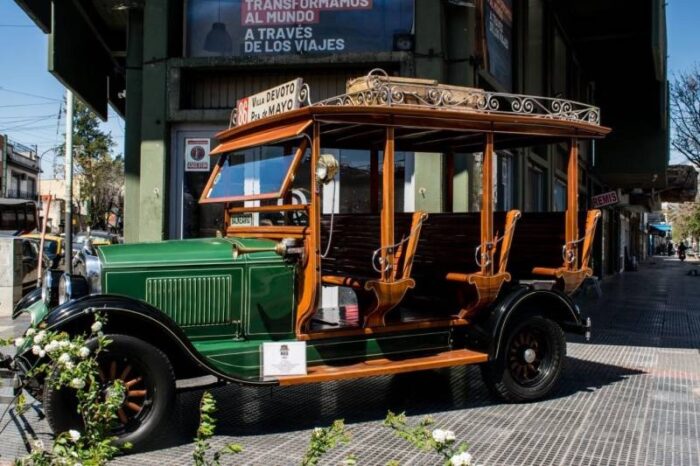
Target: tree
[(685, 219), (685, 114), (100, 174)]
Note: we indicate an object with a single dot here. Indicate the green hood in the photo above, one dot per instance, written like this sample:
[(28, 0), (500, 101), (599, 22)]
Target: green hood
[(182, 252)]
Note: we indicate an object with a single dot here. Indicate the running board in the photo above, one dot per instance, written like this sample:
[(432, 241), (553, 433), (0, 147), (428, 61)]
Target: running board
[(375, 367)]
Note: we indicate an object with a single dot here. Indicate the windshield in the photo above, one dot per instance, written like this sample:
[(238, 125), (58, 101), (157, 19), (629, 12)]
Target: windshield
[(258, 173)]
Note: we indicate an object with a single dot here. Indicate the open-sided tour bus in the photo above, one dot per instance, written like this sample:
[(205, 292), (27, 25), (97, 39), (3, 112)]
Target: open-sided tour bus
[(447, 288), (428, 290)]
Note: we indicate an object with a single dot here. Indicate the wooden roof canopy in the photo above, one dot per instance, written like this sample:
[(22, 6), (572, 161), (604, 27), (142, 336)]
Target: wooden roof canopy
[(427, 117)]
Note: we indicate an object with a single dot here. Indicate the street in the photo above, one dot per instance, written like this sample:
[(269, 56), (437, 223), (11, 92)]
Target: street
[(631, 396)]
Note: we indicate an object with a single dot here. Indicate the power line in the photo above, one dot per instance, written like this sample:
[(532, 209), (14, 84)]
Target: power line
[(28, 94), (26, 105)]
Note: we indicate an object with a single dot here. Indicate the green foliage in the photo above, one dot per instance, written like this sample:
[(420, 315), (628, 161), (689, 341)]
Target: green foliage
[(207, 427), (323, 439), (686, 220), (422, 437), (67, 362), (99, 174)]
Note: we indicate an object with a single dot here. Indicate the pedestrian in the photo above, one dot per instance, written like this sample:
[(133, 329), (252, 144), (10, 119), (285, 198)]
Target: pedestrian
[(669, 248)]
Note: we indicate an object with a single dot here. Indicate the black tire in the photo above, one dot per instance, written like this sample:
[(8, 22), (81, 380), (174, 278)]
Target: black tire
[(530, 360), (157, 381)]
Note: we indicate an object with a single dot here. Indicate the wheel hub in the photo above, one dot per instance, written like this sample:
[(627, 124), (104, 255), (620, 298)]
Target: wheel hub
[(529, 355)]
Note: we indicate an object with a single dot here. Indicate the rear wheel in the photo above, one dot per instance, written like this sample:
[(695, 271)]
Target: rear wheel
[(529, 362), (150, 391)]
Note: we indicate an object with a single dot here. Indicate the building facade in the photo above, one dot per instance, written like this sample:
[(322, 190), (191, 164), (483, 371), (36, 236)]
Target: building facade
[(19, 170), (176, 68)]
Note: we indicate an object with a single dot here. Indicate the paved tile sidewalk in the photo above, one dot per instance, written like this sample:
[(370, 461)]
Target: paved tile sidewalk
[(631, 397)]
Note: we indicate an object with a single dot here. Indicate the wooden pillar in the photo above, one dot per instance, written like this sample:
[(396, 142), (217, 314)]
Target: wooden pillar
[(308, 301), (572, 205), (374, 180), (387, 236), (487, 205)]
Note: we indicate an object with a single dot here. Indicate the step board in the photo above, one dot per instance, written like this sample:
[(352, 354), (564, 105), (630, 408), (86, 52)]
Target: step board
[(375, 367)]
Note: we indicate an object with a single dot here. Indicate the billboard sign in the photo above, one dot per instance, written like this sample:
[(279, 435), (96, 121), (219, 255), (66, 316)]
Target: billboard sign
[(605, 199), (498, 40), (241, 28), (280, 99)]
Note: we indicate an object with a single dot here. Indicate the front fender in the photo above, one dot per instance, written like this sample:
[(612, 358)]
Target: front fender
[(552, 304), (27, 302), (133, 317)]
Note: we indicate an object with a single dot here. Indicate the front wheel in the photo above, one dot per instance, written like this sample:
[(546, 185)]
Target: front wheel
[(148, 401), (529, 362)]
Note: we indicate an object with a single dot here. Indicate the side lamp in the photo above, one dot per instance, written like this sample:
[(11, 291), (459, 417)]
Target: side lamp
[(327, 168)]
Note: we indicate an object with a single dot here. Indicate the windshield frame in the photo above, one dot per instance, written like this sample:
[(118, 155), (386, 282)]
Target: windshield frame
[(298, 156)]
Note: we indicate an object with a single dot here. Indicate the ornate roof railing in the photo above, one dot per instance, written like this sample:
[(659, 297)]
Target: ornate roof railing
[(380, 89)]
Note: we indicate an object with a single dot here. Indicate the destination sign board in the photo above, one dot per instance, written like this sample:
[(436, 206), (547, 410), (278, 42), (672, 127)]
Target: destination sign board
[(279, 99)]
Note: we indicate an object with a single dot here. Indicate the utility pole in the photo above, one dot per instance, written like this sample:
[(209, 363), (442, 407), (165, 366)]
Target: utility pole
[(68, 248)]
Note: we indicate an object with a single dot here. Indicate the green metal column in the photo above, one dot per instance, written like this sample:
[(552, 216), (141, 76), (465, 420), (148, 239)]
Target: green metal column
[(132, 145), (429, 40), (154, 128), (429, 64)]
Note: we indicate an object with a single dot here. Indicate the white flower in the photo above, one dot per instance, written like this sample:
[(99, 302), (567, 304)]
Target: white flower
[(51, 346), (39, 337), (30, 331), (462, 459), (77, 383), (38, 445), (96, 327), (19, 341), (42, 353), (36, 349), (69, 365), (63, 344), (84, 352), (74, 435), (317, 431), (64, 358), (443, 436)]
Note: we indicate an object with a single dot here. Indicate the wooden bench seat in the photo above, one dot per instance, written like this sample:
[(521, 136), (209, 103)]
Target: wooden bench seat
[(378, 296)]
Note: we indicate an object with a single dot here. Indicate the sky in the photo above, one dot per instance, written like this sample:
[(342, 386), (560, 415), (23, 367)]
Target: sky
[(30, 97)]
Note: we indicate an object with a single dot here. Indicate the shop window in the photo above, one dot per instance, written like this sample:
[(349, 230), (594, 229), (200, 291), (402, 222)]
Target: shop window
[(559, 195), (535, 198), (504, 193)]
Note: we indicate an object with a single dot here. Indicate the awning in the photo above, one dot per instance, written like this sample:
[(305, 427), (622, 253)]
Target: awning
[(660, 227)]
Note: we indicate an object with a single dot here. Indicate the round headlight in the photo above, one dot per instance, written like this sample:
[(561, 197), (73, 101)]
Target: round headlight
[(46, 287), (64, 289)]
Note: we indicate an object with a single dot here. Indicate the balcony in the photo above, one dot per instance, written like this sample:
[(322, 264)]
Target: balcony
[(22, 155), (19, 194)]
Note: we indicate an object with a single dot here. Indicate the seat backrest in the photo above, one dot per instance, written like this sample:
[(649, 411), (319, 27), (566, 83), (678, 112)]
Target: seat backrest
[(404, 263), (512, 218), (589, 235)]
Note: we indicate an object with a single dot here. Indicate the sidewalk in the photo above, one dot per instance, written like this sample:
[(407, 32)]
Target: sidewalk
[(630, 397)]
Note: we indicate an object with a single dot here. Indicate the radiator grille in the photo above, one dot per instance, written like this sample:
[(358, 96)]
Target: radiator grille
[(191, 301)]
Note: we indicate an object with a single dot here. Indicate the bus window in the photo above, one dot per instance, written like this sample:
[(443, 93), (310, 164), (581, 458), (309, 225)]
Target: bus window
[(9, 218)]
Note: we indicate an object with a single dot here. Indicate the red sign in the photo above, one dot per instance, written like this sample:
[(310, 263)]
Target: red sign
[(605, 199)]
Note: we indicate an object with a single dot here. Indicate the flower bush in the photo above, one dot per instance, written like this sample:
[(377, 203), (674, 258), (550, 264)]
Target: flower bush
[(323, 439), (67, 361), (421, 436), (207, 426)]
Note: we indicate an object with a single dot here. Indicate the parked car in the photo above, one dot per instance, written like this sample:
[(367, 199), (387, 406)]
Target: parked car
[(53, 247), (431, 290)]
